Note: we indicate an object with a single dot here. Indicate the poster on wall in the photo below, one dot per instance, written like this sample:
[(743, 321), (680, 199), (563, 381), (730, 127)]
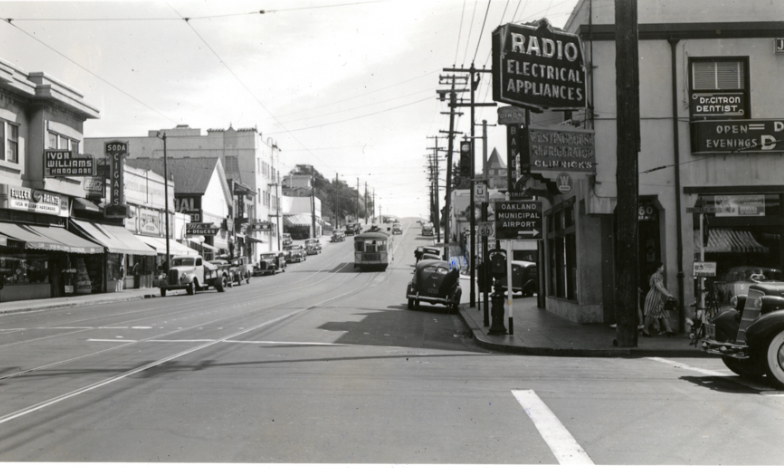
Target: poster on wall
[(739, 205)]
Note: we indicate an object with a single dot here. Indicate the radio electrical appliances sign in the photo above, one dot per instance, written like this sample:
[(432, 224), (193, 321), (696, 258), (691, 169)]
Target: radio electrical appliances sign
[(537, 67)]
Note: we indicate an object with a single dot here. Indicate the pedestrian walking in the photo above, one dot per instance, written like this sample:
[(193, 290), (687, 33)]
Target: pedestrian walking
[(654, 303)]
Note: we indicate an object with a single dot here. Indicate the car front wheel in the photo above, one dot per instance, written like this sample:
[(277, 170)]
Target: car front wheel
[(774, 360)]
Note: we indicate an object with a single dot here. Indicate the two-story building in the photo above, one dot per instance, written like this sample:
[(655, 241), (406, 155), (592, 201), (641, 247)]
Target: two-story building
[(711, 129)]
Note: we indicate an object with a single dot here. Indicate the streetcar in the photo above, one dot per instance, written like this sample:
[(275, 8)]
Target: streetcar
[(372, 250)]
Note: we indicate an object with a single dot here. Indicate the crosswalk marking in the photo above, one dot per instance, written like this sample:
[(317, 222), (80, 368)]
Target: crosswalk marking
[(564, 446)]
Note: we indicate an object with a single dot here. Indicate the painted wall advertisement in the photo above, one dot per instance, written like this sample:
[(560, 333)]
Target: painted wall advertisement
[(561, 150), (189, 205)]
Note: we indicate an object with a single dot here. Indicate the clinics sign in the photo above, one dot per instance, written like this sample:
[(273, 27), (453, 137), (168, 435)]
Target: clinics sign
[(561, 150), (737, 136), (537, 67)]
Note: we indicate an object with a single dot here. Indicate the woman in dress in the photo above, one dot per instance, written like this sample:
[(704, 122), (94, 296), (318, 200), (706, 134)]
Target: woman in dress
[(654, 303)]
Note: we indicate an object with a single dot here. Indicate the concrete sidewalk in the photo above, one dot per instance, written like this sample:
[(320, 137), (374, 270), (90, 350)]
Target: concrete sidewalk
[(77, 301), (542, 333)]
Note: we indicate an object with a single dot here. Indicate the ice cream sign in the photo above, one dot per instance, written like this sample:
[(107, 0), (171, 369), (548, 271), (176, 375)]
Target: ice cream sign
[(737, 136)]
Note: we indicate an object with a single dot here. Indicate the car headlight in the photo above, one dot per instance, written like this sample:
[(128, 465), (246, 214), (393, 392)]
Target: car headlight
[(734, 302)]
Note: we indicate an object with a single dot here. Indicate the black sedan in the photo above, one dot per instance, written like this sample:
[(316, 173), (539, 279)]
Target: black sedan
[(434, 282), (750, 337)]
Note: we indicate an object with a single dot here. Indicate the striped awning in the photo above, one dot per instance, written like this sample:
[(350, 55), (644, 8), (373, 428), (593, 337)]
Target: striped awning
[(721, 240), (298, 220)]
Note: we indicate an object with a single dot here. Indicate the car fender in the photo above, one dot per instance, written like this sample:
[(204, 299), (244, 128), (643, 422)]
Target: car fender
[(763, 329), (727, 325)]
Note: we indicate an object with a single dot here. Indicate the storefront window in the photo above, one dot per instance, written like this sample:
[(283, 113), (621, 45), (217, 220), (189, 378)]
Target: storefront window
[(562, 248), (24, 269)]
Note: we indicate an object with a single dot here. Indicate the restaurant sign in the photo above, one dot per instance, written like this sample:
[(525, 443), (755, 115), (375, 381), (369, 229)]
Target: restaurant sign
[(561, 150), (737, 136), (33, 201), (538, 67), (201, 229)]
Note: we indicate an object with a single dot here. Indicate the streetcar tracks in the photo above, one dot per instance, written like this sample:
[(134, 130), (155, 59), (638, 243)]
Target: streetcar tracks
[(142, 368)]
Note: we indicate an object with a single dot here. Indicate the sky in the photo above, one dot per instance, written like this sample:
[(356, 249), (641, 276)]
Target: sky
[(349, 87)]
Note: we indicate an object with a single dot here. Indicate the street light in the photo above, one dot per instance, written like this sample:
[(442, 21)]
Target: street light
[(166, 197)]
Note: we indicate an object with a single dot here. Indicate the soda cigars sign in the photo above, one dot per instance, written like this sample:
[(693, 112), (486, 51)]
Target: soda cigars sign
[(116, 152), (537, 67)]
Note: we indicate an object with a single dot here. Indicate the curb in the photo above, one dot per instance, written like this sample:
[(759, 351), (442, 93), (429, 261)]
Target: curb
[(42, 307), (481, 341)]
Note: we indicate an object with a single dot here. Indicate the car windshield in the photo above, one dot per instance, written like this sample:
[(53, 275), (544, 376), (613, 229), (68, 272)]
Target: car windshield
[(268, 256), (186, 261), (435, 269)]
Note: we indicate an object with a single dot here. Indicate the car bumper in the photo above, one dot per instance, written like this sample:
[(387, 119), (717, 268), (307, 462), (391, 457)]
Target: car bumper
[(429, 299)]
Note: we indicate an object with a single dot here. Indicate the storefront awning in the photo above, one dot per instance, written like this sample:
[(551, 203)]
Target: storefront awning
[(159, 244), (116, 239), (83, 204), (253, 239), (722, 240), (297, 220), (202, 246), (48, 238)]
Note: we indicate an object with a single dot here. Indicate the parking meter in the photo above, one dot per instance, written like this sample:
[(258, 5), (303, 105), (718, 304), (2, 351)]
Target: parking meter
[(497, 263)]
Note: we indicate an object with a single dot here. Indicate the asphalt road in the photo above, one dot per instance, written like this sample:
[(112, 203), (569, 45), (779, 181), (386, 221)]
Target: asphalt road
[(324, 364)]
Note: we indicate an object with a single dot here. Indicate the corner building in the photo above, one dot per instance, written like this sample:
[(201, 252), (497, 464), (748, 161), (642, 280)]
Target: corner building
[(711, 121)]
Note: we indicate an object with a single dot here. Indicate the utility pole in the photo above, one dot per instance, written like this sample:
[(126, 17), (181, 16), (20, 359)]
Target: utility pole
[(356, 208), (366, 205), (474, 80), (313, 203), (166, 201), (452, 105), (337, 201), (436, 174), (628, 147)]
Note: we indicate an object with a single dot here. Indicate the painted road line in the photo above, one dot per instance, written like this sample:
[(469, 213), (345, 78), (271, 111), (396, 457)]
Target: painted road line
[(564, 446), (694, 369), (294, 343)]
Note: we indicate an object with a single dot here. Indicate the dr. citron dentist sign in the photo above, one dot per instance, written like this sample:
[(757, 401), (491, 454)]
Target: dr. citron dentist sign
[(537, 67)]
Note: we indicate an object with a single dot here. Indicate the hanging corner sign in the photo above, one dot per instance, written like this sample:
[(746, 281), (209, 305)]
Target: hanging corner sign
[(537, 66)]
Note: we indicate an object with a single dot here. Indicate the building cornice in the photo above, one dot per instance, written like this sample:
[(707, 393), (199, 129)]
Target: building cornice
[(681, 31)]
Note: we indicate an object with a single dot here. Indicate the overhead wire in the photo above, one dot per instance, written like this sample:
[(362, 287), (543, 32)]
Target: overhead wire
[(479, 41), (470, 29), (104, 80)]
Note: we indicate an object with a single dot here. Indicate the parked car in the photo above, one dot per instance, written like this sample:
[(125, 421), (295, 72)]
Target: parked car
[(286, 240), (192, 273), (424, 253), (750, 337), (434, 282), (397, 228), (735, 281), (296, 253), (525, 278), (427, 229), (312, 246), (245, 268), (271, 263), (234, 276), (338, 236)]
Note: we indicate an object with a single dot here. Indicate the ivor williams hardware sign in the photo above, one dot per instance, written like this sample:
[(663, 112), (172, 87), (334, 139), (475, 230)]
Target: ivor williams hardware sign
[(537, 67)]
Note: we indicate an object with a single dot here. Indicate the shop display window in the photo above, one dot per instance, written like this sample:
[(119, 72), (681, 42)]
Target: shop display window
[(24, 269)]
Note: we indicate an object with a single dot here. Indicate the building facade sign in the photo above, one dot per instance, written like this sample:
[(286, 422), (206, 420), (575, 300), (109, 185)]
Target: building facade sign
[(718, 105), (739, 205), (189, 205), (33, 201), (537, 67), (737, 136), (148, 221), (201, 229), (561, 150), (62, 163)]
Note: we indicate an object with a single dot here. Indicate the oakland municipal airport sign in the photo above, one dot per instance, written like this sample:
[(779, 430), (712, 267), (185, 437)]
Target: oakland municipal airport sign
[(537, 67), (518, 219)]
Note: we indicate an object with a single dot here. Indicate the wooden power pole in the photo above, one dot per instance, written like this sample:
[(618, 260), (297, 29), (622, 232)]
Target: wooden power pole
[(628, 147)]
